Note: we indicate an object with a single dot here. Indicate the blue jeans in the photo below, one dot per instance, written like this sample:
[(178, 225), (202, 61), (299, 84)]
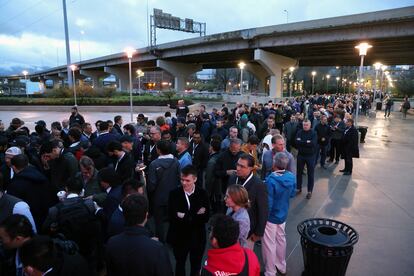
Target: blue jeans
[(310, 165)]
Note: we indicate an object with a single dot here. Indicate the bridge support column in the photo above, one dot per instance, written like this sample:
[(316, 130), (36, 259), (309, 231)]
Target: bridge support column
[(56, 80), (95, 75), (260, 73), (180, 71), (274, 65), (122, 75)]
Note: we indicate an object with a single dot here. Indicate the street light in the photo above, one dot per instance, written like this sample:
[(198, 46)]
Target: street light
[(73, 68), (313, 80), (377, 67), (327, 82), (140, 74), (25, 73), (291, 69), (287, 15), (337, 84), (130, 52), (241, 66), (363, 48)]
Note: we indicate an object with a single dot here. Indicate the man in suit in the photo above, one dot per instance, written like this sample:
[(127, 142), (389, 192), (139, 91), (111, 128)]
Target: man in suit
[(337, 128), (150, 150), (258, 211), (199, 153), (350, 146), (133, 252), (123, 162), (163, 177), (110, 184), (226, 163), (104, 137), (118, 125), (188, 212)]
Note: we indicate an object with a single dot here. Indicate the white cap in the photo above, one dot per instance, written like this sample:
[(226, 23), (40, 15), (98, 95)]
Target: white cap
[(13, 151)]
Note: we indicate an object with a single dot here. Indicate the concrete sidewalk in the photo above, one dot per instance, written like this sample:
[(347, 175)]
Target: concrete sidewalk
[(377, 200)]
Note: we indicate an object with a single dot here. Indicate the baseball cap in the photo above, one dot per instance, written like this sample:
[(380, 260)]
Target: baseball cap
[(13, 151), (17, 121)]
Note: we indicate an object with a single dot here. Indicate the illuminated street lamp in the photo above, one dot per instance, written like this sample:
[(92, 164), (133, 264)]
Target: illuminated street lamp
[(363, 48), (337, 83), (130, 52), (377, 67), (241, 66), (25, 73), (73, 68), (327, 82), (140, 74), (313, 80)]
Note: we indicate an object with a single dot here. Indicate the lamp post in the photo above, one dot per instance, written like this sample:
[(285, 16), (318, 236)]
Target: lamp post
[(313, 80), (377, 67), (327, 82), (363, 48), (241, 66), (25, 73), (287, 15), (383, 68), (337, 84), (73, 68), (344, 81), (130, 52), (349, 87), (140, 74), (291, 69)]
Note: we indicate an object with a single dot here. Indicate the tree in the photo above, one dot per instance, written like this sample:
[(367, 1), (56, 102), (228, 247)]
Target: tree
[(405, 84)]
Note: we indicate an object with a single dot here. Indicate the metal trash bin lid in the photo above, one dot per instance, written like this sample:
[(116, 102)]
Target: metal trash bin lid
[(327, 235)]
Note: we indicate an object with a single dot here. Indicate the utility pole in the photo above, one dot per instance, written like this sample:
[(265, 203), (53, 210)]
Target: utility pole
[(68, 62)]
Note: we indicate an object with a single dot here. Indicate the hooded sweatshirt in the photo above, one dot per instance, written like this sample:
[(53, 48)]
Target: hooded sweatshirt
[(230, 261), (280, 187)]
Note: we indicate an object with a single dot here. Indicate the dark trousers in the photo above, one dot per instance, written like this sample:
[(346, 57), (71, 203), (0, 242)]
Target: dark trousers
[(310, 166), (196, 250), (387, 111), (160, 217), (335, 152), (321, 152), (348, 163)]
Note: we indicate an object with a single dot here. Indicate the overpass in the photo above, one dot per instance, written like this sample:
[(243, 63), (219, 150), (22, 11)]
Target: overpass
[(267, 51)]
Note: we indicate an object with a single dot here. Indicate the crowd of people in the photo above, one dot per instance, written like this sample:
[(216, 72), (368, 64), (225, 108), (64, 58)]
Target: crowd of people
[(75, 201)]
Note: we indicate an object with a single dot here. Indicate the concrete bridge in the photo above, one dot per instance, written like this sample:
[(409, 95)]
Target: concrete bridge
[(267, 51)]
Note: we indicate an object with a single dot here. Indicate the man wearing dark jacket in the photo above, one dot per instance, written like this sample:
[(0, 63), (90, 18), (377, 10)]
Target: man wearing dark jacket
[(337, 129), (122, 161), (259, 210), (133, 252), (104, 137), (324, 134), (58, 163), (188, 212), (109, 182), (199, 153), (350, 144), (163, 177), (75, 117), (31, 186), (306, 140), (226, 162)]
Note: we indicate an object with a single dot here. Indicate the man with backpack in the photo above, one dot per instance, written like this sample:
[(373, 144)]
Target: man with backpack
[(75, 218), (226, 256)]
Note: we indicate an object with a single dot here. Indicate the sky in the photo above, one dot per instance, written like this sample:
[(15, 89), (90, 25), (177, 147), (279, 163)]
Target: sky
[(32, 31)]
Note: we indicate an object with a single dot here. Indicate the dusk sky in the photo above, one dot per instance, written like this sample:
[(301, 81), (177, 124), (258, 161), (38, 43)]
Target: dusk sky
[(32, 33)]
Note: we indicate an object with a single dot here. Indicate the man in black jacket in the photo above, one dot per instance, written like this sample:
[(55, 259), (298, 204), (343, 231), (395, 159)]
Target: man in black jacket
[(324, 133), (188, 212), (118, 125), (306, 140), (337, 129), (163, 177), (258, 211), (226, 162), (350, 145), (133, 252), (31, 186), (122, 161), (199, 153), (150, 151)]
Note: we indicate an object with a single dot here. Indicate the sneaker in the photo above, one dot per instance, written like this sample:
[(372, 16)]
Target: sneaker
[(308, 195)]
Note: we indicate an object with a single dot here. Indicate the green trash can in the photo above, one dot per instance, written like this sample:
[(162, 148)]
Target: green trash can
[(327, 246)]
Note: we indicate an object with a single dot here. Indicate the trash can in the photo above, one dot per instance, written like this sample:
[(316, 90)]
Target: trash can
[(327, 246), (363, 130), (379, 105)]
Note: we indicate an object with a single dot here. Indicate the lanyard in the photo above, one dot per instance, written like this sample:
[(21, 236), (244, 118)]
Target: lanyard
[(151, 148), (194, 148), (247, 180)]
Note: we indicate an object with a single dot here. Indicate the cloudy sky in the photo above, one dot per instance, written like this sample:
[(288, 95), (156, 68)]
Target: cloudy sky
[(32, 33)]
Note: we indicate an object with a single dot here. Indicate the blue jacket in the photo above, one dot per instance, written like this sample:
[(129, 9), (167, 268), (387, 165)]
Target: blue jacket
[(184, 159), (280, 188)]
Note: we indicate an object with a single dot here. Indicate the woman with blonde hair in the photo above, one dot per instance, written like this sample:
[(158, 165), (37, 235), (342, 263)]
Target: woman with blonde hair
[(237, 201)]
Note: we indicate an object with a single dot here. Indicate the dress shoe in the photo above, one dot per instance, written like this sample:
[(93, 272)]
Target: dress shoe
[(342, 170), (308, 195), (347, 173)]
